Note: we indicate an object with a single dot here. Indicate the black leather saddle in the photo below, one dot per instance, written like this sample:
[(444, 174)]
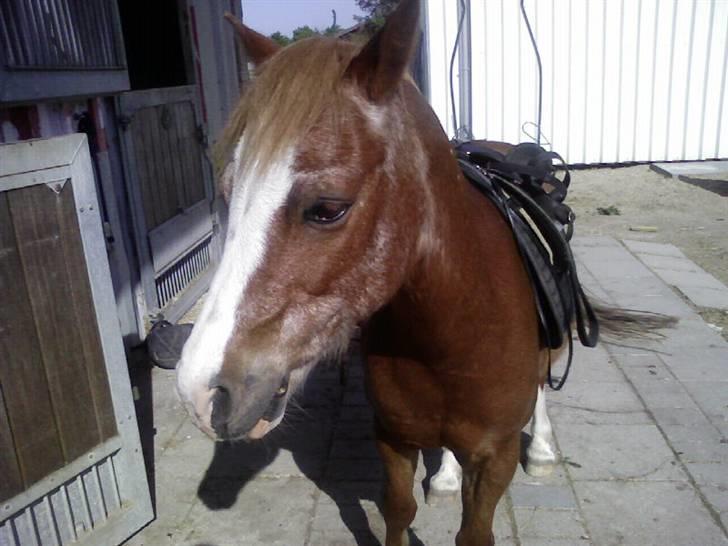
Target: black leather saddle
[(523, 184)]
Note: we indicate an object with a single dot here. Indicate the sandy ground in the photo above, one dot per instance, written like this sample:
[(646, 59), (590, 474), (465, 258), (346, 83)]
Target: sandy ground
[(692, 215)]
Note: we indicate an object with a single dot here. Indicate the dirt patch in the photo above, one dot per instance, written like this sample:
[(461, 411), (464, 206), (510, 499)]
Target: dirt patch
[(692, 216)]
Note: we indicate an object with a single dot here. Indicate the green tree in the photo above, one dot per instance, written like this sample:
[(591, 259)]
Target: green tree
[(280, 38), (376, 12), (304, 32), (333, 30)]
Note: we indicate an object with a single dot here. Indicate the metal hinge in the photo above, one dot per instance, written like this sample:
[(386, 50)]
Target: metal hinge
[(108, 233), (124, 122)]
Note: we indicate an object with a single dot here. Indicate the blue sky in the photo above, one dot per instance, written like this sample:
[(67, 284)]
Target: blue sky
[(269, 16)]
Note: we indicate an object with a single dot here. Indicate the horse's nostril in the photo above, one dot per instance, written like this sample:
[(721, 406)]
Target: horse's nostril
[(220, 410)]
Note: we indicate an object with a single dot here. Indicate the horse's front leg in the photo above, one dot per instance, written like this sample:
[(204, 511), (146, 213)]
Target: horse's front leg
[(400, 507), (485, 479)]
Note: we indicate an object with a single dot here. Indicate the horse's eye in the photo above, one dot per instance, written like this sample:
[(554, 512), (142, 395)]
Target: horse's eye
[(326, 211)]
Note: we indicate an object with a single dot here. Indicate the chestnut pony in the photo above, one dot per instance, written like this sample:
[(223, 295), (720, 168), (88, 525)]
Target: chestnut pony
[(347, 208)]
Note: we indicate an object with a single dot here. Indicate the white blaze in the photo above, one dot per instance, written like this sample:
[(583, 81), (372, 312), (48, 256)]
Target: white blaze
[(254, 200)]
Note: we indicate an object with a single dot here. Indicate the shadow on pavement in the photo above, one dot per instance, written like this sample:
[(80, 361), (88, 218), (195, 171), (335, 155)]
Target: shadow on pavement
[(716, 186), (309, 432)]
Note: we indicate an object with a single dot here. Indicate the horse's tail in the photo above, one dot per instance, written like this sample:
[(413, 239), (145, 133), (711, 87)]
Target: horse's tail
[(629, 323)]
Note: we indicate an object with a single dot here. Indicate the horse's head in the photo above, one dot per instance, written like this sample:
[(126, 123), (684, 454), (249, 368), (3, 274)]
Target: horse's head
[(320, 236)]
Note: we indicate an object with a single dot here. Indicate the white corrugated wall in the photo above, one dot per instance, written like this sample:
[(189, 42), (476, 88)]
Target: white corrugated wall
[(623, 80)]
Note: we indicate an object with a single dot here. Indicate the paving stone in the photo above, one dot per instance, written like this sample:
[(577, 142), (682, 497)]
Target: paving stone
[(175, 496), (557, 477), (189, 452), (542, 496), (698, 364), (701, 443), (590, 241), (691, 332), (435, 524), (270, 512), (655, 249), (615, 265), (712, 397), (533, 541), (690, 277), (597, 403), (361, 516), (669, 263), (707, 296), (646, 513), (546, 523), (591, 285), (607, 452), (343, 493), (439, 523), (591, 365), (661, 300), (661, 391), (712, 480), (624, 291), (342, 537)]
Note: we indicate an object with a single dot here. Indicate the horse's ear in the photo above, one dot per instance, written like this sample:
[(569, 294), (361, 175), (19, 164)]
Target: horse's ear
[(382, 62), (257, 46)]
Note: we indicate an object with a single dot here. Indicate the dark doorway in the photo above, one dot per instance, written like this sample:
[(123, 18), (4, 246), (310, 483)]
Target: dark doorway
[(157, 49)]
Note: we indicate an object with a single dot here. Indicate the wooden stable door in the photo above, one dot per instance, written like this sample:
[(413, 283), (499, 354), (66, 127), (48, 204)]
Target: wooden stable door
[(170, 183), (71, 469)]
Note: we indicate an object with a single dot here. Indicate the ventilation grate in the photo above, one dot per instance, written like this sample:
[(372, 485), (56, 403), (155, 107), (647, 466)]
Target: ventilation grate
[(182, 273)]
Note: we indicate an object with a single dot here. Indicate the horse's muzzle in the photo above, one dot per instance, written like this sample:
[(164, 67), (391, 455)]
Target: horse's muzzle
[(238, 413)]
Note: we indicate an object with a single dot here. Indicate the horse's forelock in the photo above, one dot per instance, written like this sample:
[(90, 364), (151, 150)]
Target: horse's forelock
[(289, 94)]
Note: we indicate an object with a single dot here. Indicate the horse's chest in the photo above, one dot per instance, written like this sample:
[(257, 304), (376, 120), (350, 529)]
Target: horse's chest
[(407, 399)]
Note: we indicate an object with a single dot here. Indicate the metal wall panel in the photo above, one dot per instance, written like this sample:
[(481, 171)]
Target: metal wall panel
[(60, 34), (623, 80)]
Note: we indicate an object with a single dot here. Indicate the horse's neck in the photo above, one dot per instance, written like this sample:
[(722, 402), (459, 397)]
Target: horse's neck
[(468, 275)]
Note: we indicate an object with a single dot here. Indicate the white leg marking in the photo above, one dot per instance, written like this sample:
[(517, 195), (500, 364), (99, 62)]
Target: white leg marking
[(253, 204), (449, 478), (541, 457)]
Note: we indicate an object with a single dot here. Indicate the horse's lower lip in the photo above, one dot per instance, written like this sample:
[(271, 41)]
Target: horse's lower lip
[(260, 429)]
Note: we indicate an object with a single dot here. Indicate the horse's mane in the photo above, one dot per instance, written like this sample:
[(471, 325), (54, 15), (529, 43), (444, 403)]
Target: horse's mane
[(288, 95)]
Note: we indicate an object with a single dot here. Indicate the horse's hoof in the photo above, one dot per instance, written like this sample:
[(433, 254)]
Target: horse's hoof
[(539, 469)]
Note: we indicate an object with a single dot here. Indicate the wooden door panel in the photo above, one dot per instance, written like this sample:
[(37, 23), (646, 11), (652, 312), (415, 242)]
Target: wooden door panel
[(30, 421)]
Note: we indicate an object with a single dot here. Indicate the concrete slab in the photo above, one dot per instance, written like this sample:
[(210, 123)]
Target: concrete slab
[(270, 512), (542, 496), (540, 523), (641, 513), (701, 168), (673, 267), (596, 404), (607, 452)]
